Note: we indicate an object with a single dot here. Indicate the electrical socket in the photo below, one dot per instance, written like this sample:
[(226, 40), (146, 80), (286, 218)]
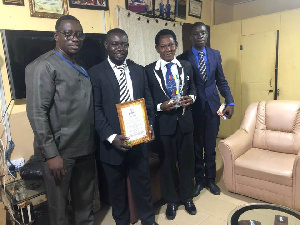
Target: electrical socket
[(17, 162)]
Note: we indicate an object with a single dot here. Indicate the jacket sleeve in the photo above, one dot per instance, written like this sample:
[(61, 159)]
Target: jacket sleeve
[(221, 81), (148, 99), (102, 125), (40, 90), (189, 72)]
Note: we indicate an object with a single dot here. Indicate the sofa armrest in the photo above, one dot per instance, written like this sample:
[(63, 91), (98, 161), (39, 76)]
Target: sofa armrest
[(231, 148), (296, 183)]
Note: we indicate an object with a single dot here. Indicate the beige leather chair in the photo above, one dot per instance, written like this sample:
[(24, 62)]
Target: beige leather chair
[(262, 158)]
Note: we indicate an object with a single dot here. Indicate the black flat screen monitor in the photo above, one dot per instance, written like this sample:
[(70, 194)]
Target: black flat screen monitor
[(21, 47)]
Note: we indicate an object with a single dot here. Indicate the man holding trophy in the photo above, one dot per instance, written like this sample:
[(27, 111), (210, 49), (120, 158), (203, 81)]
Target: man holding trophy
[(173, 91)]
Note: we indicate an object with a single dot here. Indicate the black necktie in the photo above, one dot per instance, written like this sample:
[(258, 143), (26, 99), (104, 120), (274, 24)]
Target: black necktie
[(124, 91), (202, 66)]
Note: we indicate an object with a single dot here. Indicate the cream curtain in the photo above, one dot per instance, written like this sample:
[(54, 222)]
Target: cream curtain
[(141, 32)]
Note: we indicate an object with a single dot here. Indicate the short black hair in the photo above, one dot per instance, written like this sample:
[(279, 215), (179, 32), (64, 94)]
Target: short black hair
[(164, 32), (65, 17), (197, 24), (115, 31)]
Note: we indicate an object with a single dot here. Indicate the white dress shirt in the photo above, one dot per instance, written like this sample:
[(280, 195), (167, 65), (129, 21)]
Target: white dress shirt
[(162, 64), (129, 86)]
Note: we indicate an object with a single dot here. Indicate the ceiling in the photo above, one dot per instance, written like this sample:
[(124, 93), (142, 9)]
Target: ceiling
[(234, 2)]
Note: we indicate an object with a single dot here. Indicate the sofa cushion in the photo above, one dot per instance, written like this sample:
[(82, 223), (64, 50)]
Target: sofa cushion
[(277, 126), (266, 165)]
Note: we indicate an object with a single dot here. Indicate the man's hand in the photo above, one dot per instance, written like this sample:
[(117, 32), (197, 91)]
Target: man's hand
[(56, 167), (185, 101), (168, 105), (119, 143), (152, 133), (228, 111)]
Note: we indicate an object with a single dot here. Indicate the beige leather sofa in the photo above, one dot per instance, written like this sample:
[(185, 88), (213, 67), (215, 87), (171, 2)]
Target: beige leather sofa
[(262, 158)]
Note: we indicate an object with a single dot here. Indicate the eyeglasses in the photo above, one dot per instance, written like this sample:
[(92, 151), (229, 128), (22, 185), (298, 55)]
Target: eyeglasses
[(70, 35)]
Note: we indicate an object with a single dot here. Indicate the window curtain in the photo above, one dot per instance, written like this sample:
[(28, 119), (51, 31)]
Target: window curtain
[(141, 33)]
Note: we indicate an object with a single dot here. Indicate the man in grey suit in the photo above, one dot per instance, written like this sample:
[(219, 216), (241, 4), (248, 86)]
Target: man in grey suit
[(60, 112)]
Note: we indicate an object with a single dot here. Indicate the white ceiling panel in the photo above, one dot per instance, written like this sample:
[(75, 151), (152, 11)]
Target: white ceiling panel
[(234, 2)]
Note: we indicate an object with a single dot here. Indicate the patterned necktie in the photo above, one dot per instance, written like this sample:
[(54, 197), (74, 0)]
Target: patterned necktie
[(124, 91), (170, 81), (202, 66)]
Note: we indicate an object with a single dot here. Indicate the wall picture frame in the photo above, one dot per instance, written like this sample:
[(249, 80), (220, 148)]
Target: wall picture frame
[(48, 9), (13, 2), (89, 4), (195, 8), (165, 9), (181, 9), (145, 7)]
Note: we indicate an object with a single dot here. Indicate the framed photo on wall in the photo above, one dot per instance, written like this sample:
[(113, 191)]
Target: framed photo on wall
[(48, 9), (195, 8), (165, 9), (181, 9), (140, 6), (13, 2), (89, 4)]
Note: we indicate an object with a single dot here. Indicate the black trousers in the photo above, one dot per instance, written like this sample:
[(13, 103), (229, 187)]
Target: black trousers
[(205, 134), (136, 167), (177, 166), (80, 181)]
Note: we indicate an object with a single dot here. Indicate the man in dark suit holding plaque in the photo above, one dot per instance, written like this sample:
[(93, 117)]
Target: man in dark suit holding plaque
[(117, 80), (171, 82)]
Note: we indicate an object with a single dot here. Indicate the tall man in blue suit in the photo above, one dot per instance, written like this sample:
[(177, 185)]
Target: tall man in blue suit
[(208, 74)]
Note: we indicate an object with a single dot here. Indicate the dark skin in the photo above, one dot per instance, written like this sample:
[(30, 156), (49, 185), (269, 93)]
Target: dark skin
[(117, 45), (68, 48), (198, 37), (166, 48)]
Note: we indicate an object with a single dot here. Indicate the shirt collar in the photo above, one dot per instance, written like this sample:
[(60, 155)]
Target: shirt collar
[(162, 63), (114, 65), (196, 52)]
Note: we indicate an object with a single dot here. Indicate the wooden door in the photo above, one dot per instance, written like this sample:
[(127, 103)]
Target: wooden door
[(258, 57)]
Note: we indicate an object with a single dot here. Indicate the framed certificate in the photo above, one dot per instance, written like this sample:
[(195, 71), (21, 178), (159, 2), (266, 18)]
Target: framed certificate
[(89, 4), (134, 121), (48, 8), (195, 7), (13, 2)]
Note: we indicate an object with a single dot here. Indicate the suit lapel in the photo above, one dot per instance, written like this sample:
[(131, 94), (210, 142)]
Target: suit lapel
[(192, 60), (159, 77), (110, 74), (133, 80), (210, 60), (181, 77)]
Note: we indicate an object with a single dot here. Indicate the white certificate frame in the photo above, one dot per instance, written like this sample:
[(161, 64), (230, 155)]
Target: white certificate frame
[(140, 116), (48, 8), (195, 8)]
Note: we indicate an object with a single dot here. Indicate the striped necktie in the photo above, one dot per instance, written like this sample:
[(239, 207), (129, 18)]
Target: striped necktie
[(202, 66), (124, 91)]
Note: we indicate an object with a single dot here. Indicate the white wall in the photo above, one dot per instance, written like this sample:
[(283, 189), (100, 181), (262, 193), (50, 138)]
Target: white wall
[(262, 7)]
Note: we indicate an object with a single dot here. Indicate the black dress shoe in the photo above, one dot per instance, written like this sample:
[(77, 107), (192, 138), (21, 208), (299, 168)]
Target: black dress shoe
[(145, 223), (171, 211), (198, 187), (190, 207), (213, 188)]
